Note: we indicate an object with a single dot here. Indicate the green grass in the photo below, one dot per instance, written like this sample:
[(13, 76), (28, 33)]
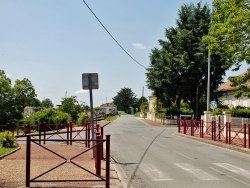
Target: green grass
[(111, 118), (4, 151), (137, 114)]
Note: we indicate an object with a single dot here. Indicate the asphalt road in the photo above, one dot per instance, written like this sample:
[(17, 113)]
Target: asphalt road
[(153, 156)]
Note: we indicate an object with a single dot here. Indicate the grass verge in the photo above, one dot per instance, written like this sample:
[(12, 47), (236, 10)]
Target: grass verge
[(4, 151)]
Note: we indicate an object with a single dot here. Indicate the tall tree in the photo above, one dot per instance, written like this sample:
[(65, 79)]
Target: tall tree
[(178, 71), (47, 103), (71, 106), (125, 99), (24, 95), (6, 99), (229, 37)]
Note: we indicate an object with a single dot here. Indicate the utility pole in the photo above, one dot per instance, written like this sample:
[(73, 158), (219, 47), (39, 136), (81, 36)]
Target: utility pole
[(142, 93), (208, 80)]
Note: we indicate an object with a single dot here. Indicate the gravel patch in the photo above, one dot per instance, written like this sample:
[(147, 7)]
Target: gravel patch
[(13, 167)]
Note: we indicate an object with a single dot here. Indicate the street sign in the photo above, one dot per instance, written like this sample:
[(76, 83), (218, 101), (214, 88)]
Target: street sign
[(213, 104), (90, 81)]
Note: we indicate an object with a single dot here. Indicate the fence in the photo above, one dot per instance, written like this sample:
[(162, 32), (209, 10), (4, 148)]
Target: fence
[(236, 134), (98, 148)]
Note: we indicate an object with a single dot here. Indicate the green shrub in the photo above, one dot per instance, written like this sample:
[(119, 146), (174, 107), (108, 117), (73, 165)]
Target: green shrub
[(84, 118), (7, 140), (137, 114), (49, 115)]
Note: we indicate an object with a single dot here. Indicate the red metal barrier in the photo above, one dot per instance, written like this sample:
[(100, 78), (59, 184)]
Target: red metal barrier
[(98, 167), (248, 136), (230, 134), (237, 134)]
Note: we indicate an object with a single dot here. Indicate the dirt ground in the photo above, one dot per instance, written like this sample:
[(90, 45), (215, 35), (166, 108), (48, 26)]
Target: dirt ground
[(67, 163)]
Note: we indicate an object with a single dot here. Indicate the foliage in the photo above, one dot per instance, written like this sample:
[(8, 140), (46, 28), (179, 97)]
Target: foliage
[(178, 71), (111, 118), (14, 99), (7, 140), (140, 101), (137, 114), (48, 115), (71, 106), (125, 99), (84, 118), (241, 112), (24, 95), (229, 37), (238, 111), (47, 103), (6, 99), (144, 106)]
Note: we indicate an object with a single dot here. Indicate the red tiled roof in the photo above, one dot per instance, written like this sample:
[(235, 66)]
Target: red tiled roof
[(227, 85)]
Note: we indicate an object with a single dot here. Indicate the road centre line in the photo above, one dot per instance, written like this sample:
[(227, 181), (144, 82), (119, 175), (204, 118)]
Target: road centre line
[(230, 176), (183, 155)]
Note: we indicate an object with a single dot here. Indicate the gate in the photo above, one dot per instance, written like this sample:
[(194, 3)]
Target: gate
[(98, 143)]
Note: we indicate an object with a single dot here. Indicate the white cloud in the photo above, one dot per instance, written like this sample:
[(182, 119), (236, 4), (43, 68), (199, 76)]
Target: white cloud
[(81, 91), (139, 46)]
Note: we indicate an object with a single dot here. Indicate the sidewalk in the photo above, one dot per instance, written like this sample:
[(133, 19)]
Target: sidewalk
[(13, 167), (216, 143)]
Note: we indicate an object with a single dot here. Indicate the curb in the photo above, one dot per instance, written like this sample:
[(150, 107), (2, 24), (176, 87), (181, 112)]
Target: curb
[(5, 155)]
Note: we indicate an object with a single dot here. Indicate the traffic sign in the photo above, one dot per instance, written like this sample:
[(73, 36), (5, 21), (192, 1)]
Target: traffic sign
[(213, 104), (90, 81)]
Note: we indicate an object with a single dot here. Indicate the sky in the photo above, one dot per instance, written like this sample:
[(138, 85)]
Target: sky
[(52, 43)]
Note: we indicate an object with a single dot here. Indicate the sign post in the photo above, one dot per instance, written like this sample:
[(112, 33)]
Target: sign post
[(90, 81)]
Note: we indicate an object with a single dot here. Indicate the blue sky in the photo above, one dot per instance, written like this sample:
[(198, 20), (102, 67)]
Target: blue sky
[(53, 42)]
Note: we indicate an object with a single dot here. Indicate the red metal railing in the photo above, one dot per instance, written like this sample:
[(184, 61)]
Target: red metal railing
[(228, 133), (98, 147)]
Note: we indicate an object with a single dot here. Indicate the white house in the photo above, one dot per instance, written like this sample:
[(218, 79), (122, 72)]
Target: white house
[(228, 97), (108, 108)]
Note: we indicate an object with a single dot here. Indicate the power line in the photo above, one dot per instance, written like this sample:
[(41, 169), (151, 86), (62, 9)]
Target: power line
[(112, 36)]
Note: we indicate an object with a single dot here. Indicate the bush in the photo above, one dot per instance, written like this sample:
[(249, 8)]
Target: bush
[(50, 115), (84, 118), (7, 140)]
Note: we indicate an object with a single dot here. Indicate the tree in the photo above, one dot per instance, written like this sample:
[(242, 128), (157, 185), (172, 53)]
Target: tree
[(24, 95), (140, 101), (6, 99), (178, 71), (47, 103), (71, 106), (125, 99), (229, 37)]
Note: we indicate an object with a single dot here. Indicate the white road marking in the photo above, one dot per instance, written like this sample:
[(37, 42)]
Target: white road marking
[(230, 177), (153, 173), (198, 173), (184, 155), (160, 144), (235, 169)]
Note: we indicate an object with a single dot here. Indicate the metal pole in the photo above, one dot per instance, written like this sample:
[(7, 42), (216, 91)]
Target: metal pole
[(208, 81), (28, 153), (91, 112)]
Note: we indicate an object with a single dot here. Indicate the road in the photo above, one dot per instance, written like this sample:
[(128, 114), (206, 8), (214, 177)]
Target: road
[(153, 156)]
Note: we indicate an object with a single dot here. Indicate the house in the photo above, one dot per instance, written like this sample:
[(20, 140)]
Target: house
[(108, 108), (228, 97)]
